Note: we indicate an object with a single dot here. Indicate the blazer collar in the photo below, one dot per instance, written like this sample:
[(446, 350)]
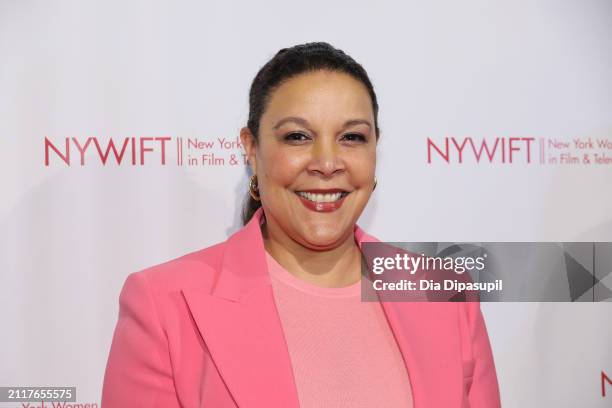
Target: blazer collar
[(244, 264)]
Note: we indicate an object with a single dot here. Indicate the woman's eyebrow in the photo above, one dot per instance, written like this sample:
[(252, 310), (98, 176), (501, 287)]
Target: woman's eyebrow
[(353, 122), (295, 119), (304, 122)]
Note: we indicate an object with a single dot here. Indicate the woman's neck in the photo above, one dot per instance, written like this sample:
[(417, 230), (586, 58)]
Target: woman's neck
[(335, 267)]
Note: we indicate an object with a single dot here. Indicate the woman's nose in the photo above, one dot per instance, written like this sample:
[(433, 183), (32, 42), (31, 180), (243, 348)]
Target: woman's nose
[(326, 157)]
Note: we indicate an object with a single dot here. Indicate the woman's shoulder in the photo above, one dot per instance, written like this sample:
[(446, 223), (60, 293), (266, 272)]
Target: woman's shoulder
[(198, 268)]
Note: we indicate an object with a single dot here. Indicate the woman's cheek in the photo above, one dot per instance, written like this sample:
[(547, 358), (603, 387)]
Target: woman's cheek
[(285, 170), (362, 170)]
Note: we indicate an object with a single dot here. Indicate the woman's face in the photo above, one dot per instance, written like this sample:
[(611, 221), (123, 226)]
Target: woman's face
[(316, 157)]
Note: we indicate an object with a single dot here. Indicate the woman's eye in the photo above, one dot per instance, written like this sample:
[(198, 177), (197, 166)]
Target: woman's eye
[(355, 137), (295, 136)]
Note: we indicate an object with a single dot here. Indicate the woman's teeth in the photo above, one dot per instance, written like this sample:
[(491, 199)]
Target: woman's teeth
[(322, 198)]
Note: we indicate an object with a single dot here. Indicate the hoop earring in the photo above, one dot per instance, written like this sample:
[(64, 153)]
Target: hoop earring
[(375, 183), (254, 188)]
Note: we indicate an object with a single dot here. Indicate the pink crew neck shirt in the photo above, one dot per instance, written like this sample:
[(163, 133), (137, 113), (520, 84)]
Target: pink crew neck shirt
[(342, 350)]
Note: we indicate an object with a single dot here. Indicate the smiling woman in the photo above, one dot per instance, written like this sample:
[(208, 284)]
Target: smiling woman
[(273, 316)]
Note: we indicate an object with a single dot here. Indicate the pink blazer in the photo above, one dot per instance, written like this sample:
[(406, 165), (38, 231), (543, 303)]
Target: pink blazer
[(203, 331)]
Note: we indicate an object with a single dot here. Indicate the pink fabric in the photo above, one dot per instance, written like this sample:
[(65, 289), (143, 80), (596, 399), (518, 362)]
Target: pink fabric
[(342, 350), (202, 330)]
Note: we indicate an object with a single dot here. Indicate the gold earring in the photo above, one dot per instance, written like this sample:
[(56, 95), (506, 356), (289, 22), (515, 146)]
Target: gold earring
[(254, 188), (375, 183)]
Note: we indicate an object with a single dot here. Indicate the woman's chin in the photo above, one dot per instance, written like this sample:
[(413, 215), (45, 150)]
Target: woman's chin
[(323, 236)]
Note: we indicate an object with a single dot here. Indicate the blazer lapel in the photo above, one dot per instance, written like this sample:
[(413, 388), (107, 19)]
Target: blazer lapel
[(241, 327)]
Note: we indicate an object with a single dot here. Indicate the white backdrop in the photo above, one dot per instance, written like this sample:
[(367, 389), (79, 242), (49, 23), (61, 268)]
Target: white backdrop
[(110, 70)]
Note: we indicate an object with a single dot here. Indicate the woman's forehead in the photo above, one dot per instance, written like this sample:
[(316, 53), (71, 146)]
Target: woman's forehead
[(320, 95)]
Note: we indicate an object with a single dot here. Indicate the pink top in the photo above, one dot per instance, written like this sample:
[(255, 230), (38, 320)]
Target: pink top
[(342, 350)]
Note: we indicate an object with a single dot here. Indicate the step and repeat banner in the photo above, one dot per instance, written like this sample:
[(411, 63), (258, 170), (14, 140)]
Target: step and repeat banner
[(119, 150)]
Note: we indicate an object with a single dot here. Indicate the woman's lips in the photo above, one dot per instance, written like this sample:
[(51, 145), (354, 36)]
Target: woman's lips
[(320, 206)]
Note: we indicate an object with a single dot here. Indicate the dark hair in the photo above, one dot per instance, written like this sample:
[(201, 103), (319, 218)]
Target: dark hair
[(287, 63)]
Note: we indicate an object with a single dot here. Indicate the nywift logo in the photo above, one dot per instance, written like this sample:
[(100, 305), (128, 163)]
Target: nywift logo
[(143, 150), (520, 150), (133, 151), (496, 150)]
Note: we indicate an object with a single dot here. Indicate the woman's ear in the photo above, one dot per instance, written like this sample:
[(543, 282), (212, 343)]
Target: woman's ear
[(250, 147)]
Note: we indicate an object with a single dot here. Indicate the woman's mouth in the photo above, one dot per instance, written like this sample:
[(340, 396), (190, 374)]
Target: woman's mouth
[(322, 201)]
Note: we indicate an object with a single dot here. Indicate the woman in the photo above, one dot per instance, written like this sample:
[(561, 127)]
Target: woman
[(272, 317)]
